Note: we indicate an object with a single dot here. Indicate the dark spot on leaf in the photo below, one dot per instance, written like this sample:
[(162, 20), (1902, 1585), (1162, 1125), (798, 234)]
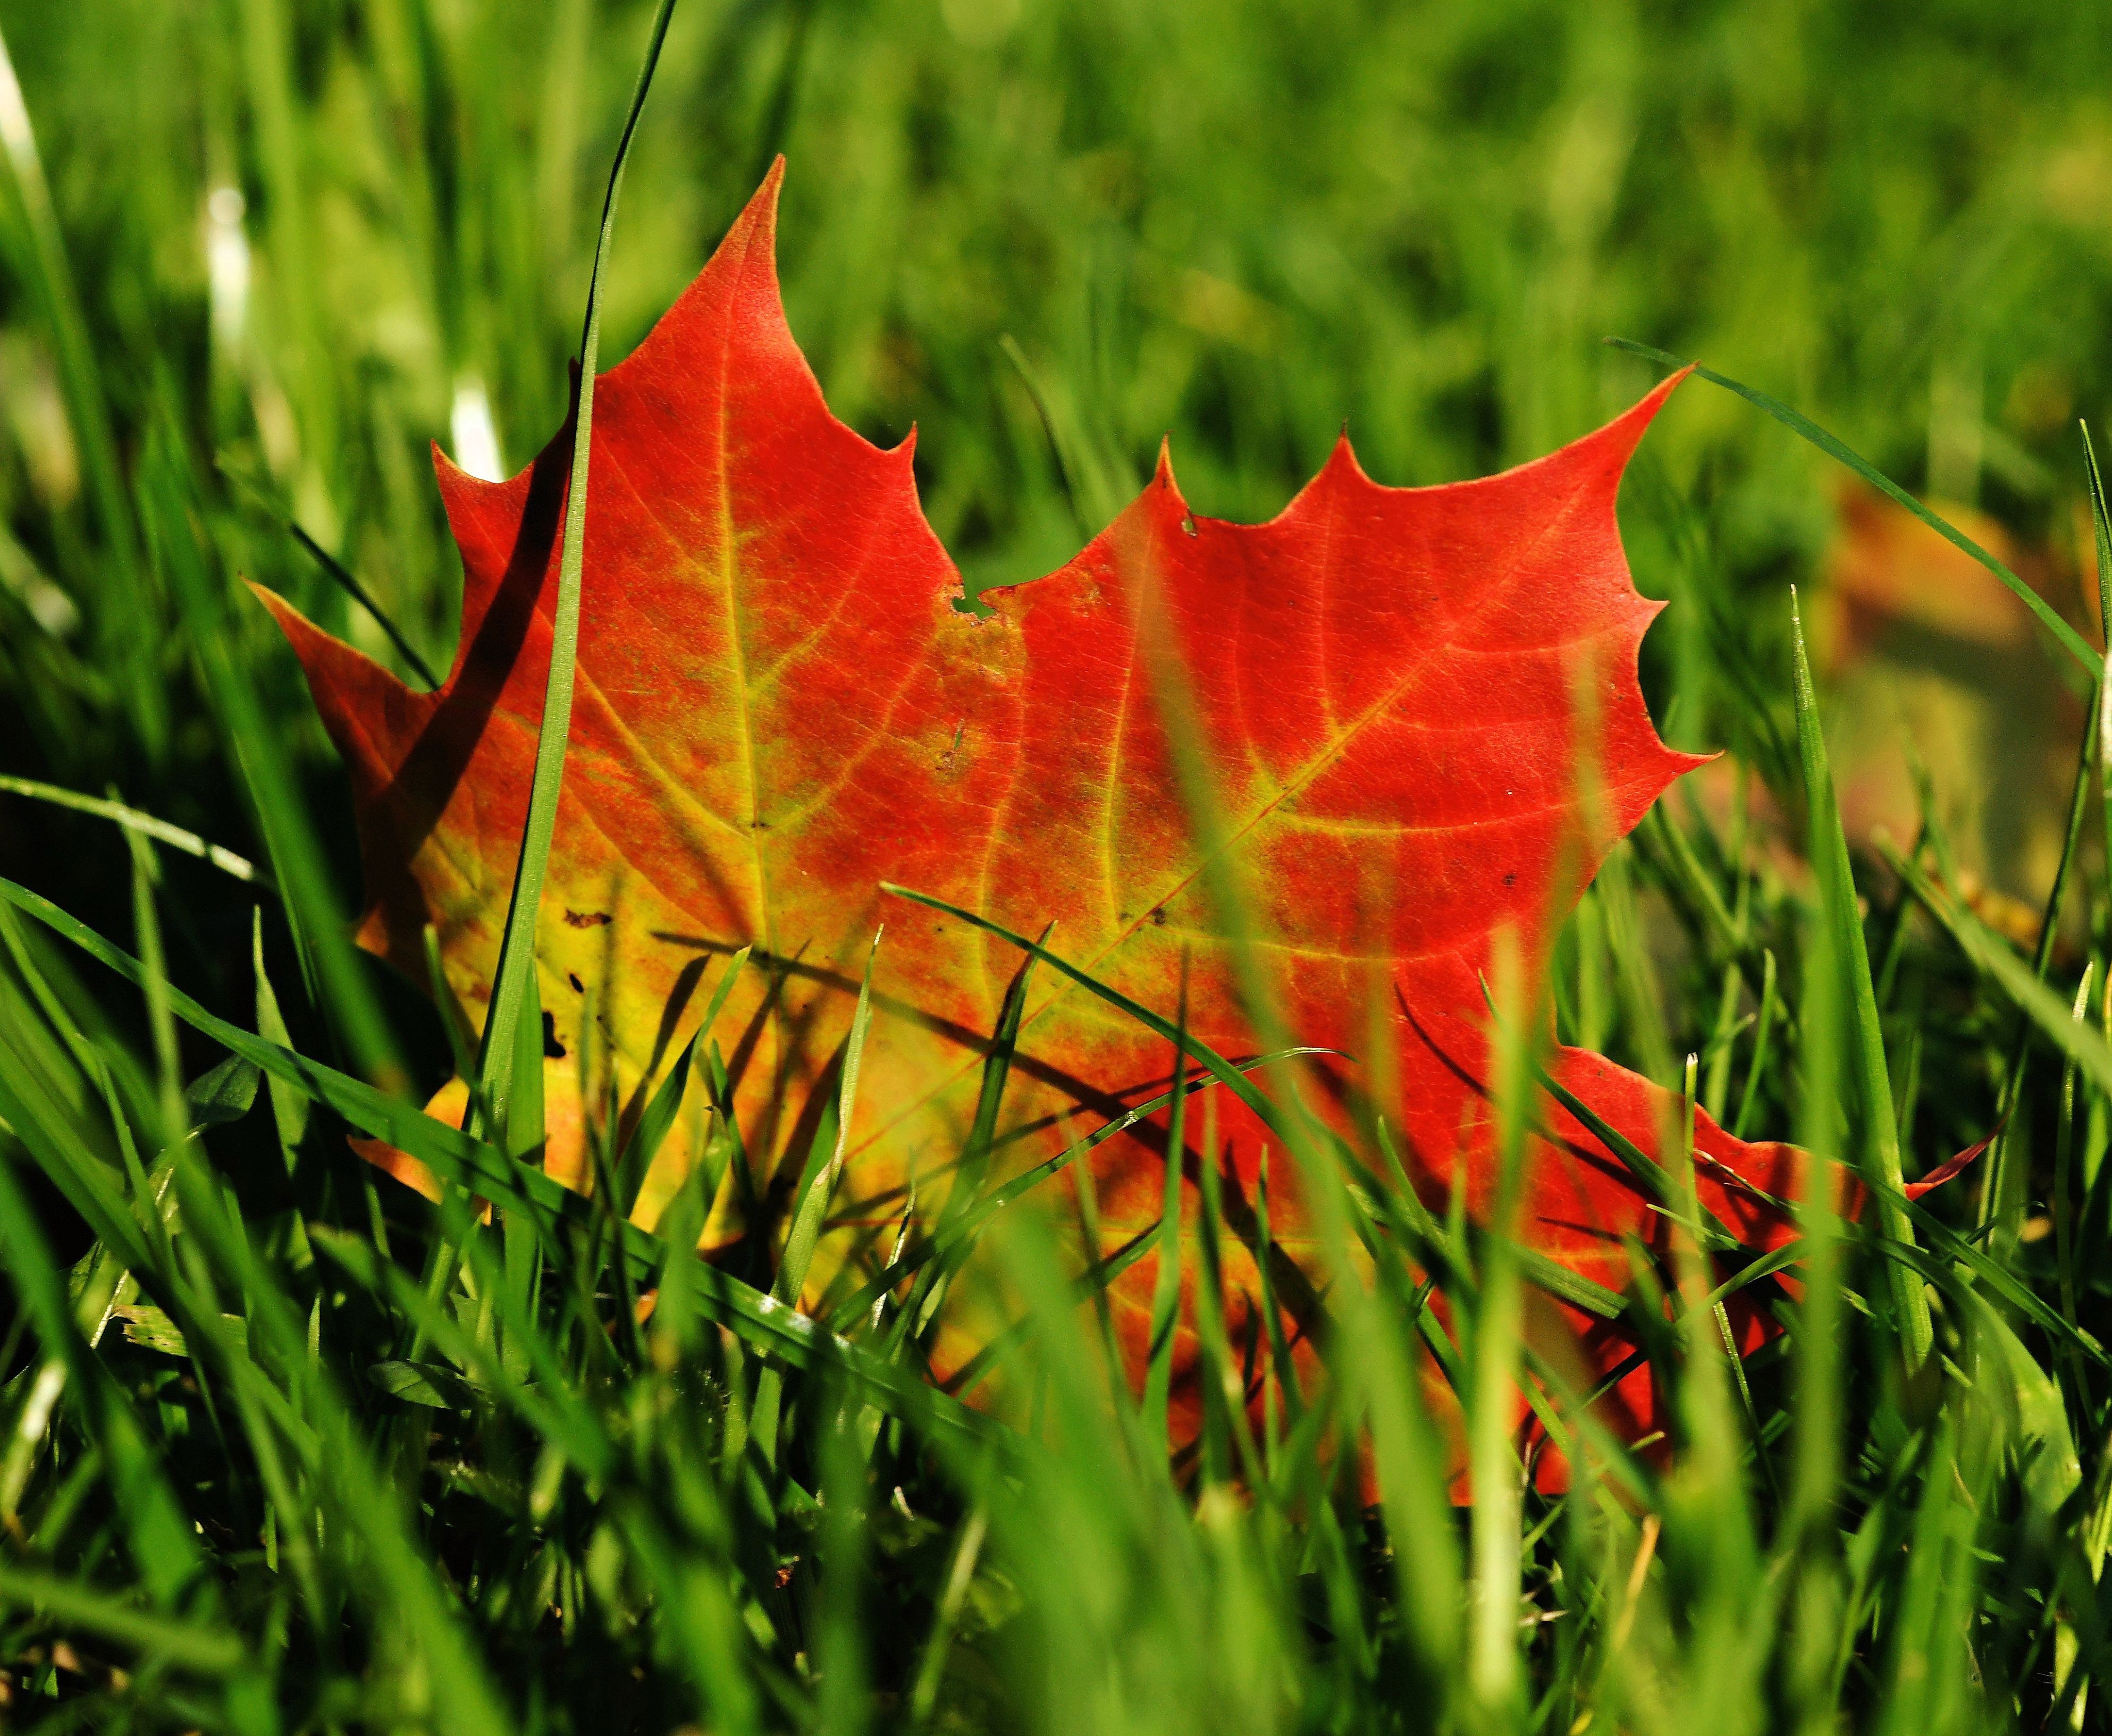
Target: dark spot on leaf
[(552, 1048), (578, 987), (587, 919), (1158, 915), (1510, 879)]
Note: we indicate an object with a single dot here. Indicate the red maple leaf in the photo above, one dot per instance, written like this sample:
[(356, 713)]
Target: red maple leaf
[(782, 703)]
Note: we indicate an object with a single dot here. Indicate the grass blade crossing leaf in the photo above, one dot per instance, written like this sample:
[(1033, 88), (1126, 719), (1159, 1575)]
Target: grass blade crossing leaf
[(516, 953), (2067, 638), (1880, 1148)]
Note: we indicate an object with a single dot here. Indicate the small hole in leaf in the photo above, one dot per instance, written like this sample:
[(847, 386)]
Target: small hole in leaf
[(552, 1048)]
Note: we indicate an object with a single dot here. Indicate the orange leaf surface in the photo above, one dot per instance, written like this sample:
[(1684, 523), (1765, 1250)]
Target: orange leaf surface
[(781, 703)]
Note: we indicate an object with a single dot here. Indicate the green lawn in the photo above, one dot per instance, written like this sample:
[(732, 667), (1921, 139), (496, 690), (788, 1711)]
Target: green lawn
[(256, 256)]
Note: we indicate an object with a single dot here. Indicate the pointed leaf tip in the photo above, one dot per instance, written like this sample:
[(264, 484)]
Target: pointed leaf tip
[(1161, 473)]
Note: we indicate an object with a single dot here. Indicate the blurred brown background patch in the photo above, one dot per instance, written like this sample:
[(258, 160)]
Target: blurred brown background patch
[(1931, 663)]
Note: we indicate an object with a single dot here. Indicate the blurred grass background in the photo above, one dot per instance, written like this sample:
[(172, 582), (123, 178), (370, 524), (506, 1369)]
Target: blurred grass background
[(319, 235)]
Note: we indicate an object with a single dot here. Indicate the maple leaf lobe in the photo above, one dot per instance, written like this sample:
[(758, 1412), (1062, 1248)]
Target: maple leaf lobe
[(750, 562)]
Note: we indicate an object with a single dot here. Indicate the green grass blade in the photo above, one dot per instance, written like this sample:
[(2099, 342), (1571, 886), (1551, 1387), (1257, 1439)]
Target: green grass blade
[(790, 1282), (1880, 1144), (517, 953), (2062, 1204), (1499, 1332), (920, 1307), (163, 1547), (2001, 1204), (396, 1576), (961, 1234), (1756, 1067), (342, 576), (806, 1231), (660, 1114), (1990, 954), (954, 1594), (260, 764), (2100, 525), (290, 1106), (52, 1139), (82, 1608), (370, 1110), (122, 590), (478, 1167), (132, 819), (1231, 1076), (161, 1023), (2072, 642), (1166, 1288)]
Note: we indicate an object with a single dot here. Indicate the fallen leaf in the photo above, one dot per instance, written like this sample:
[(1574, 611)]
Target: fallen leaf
[(1397, 699), (1937, 670), (1886, 572)]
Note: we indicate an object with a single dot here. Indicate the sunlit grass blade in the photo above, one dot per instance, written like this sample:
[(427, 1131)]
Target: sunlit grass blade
[(813, 1207), (1880, 1143), (1166, 1287), (517, 953), (176, 837), (214, 1652), (2062, 1204), (2072, 642), (2100, 525), (1498, 1324), (660, 1114), (2002, 1205), (961, 1234), (290, 1106), (1757, 1066), (790, 1281), (1231, 1076)]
